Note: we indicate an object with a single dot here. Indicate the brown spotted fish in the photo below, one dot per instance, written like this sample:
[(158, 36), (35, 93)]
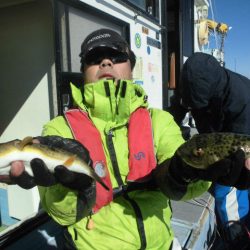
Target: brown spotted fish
[(203, 150)]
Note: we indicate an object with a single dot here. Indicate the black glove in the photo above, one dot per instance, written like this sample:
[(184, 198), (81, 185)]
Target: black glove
[(230, 171), (180, 171), (236, 236), (235, 172), (42, 175)]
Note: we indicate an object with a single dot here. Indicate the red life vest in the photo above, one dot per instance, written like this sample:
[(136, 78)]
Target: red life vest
[(141, 148)]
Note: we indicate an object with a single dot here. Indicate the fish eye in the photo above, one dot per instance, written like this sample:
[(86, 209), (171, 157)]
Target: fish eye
[(198, 152)]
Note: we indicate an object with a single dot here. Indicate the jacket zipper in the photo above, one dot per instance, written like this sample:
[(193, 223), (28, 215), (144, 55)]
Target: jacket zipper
[(139, 218)]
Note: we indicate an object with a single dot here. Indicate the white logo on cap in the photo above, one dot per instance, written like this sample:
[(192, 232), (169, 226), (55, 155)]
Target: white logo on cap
[(106, 35)]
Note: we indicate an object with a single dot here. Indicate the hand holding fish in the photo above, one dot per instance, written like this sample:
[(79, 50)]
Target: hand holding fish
[(219, 157), (54, 159)]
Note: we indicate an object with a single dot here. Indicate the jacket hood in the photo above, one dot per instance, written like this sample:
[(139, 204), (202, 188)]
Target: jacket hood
[(110, 102), (202, 78)]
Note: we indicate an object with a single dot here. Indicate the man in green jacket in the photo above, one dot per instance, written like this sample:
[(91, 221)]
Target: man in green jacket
[(130, 146)]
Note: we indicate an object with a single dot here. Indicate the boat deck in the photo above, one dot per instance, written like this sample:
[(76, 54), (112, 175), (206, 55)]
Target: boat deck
[(193, 223)]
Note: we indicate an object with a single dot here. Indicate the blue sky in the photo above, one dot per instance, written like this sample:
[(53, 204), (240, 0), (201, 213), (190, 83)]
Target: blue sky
[(236, 14)]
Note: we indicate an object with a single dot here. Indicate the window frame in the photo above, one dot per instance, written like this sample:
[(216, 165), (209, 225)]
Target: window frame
[(142, 12)]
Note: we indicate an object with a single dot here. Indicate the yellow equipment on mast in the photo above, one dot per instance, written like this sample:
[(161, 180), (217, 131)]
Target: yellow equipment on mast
[(219, 27), (206, 28)]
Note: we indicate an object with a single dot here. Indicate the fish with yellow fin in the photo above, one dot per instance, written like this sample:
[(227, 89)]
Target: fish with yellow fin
[(25, 150)]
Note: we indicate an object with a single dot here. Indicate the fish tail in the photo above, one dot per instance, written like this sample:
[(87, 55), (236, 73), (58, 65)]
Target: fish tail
[(99, 180), (92, 173)]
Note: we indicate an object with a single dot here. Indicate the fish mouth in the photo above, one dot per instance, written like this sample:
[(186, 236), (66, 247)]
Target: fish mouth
[(193, 163)]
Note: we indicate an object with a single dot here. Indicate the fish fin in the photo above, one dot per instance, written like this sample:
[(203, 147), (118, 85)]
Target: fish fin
[(27, 140), (69, 161)]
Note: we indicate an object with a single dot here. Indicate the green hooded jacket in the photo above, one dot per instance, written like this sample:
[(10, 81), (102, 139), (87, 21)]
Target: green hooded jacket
[(115, 226)]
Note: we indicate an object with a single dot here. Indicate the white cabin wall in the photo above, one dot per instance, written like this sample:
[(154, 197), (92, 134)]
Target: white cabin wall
[(26, 65), (26, 59)]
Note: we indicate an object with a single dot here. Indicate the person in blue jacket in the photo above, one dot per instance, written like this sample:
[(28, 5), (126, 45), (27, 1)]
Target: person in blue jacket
[(219, 100)]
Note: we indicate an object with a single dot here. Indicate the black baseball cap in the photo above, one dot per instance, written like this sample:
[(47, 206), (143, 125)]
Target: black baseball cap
[(106, 38)]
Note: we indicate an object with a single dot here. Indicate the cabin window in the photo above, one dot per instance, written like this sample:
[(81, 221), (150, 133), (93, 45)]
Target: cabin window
[(151, 7)]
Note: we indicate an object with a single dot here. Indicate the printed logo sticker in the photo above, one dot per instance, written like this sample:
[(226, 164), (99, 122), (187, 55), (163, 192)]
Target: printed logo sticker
[(137, 40), (139, 156)]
